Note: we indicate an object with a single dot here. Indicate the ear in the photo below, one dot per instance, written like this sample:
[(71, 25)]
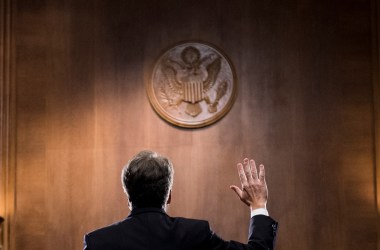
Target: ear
[(170, 197)]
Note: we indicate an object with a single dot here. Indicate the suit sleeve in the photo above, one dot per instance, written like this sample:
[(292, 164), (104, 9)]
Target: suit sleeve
[(262, 232), (261, 236)]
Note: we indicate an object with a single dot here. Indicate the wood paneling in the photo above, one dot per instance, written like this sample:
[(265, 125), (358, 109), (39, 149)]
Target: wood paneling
[(7, 124), (304, 109)]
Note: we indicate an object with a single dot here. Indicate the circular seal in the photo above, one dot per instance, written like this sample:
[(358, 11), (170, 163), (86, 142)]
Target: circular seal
[(192, 85)]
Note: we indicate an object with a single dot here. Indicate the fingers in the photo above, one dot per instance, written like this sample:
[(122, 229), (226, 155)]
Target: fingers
[(242, 175), (253, 169), (262, 173), (247, 170)]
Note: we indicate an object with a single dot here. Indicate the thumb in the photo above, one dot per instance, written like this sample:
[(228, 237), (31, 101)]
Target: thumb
[(237, 190), (239, 193)]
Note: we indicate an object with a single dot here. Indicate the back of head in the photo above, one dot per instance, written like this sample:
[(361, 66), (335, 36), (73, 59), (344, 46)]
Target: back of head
[(147, 179)]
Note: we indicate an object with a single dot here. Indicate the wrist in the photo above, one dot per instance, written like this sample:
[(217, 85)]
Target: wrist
[(258, 206)]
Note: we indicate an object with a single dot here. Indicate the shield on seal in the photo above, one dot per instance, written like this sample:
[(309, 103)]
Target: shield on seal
[(193, 91)]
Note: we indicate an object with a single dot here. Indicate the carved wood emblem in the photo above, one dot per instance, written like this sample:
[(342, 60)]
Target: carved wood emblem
[(192, 85)]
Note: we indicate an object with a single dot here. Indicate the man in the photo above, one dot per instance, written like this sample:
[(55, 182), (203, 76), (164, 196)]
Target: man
[(147, 180)]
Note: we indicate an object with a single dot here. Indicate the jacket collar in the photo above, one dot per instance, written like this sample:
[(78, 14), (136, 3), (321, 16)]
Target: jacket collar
[(141, 210)]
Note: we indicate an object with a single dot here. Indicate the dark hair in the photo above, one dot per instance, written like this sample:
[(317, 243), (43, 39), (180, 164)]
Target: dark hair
[(147, 179)]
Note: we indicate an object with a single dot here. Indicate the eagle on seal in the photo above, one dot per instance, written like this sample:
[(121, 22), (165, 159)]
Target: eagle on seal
[(191, 79)]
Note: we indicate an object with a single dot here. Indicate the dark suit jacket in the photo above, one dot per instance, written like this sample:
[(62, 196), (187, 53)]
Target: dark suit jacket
[(153, 229)]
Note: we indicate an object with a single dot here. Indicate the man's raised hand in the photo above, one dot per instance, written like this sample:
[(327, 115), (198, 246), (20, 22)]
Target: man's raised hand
[(254, 191)]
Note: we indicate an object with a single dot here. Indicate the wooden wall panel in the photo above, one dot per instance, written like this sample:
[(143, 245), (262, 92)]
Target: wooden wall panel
[(7, 124), (304, 109)]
